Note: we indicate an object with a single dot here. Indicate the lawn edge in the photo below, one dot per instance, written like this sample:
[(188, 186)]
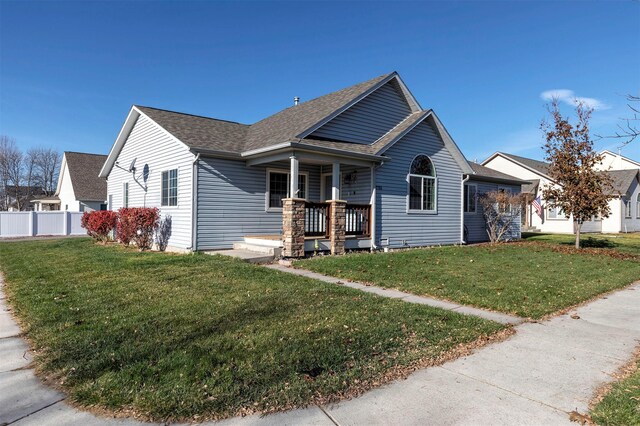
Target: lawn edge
[(50, 380)]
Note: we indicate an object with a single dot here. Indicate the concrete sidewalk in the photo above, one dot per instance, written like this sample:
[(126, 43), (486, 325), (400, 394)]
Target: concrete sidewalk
[(536, 377), (407, 297)]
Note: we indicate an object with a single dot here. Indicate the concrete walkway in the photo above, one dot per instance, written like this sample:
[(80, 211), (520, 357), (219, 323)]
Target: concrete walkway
[(407, 297), (536, 377)]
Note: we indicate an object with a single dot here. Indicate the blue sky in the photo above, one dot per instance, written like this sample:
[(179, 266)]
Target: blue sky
[(69, 71)]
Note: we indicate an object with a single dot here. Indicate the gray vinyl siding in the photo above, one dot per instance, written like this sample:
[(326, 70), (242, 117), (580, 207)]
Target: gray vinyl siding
[(151, 145), (356, 188), (475, 223), (418, 229), (232, 201), (369, 119)]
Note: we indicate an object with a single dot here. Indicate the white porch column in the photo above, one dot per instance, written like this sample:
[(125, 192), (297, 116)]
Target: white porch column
[(373, 207), (335, 181), (293, 191)]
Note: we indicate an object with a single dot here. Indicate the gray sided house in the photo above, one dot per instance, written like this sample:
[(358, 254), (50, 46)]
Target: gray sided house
[(363, 167), (483, 181)]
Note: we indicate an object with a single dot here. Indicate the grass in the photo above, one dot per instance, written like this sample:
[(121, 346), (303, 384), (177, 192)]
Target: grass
[(625, 243), (621, 406), (184, 337), (529, 280)]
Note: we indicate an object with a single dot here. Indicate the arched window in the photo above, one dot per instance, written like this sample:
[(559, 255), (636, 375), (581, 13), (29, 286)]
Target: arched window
[(638, 207), (422, 185)]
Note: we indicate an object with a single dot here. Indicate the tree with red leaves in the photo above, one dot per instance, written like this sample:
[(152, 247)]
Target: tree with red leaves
[(579, 190)]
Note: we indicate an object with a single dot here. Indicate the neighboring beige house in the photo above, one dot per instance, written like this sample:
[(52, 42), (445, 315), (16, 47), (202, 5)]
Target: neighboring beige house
[(625, 206), (79, 186)]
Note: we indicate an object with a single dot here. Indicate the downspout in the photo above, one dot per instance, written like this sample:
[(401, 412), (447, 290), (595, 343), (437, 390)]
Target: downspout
[(462, 241), (373, 207), (194, 204)]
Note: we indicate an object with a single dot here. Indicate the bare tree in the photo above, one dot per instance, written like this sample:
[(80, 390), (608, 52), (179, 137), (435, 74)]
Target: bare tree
[(48, 167), (629, 129), (12, 165), (500, 209), (24, 175), (579, 189)]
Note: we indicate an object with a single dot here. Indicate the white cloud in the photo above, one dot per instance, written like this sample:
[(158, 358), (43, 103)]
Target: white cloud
[(568, 97)]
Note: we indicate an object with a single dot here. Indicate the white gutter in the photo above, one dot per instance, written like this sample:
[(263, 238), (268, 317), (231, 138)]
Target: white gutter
[(462, 240), (194, 204)]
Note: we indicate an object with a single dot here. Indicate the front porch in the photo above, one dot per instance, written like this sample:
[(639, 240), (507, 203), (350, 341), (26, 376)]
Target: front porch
[(327, 203)]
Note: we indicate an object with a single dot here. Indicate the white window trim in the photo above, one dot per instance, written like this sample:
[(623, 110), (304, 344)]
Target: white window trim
[(638, 206), (558, 215), (628, 209), (267, 191), (177, 189), (125, 194), (323, 187), (475, 199), (435, 195)]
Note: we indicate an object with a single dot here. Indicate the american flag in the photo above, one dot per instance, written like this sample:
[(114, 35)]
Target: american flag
[(537, 204)]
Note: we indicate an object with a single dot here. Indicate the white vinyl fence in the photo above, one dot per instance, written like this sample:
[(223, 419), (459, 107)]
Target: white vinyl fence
[(31, 224)]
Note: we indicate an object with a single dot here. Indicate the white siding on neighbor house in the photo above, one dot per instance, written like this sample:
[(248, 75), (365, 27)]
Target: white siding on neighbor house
[(632, 224), (232, 201), (151, 145), (510, 168), (418, 229), (475, 222), (369, 119), (67, 196), (615, 162), (613, 223)]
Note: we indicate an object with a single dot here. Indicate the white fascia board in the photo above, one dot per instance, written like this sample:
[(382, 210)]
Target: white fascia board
[(415, 105), (126, 129), (63, 166)]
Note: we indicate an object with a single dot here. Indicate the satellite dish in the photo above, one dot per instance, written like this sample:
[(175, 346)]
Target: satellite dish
[(145, 173), (132, 167)]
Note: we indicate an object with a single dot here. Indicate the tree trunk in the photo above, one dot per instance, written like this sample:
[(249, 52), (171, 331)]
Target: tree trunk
[(578, 226)]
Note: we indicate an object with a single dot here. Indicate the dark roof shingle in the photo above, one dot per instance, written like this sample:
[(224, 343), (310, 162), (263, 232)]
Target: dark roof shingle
[(485, 172), (621, 180), (83, 171)]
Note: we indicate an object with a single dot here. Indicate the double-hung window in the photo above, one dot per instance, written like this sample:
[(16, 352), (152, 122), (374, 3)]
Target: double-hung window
[(555, 212), (422, 185), (470, 198), (169, 189), (638, 207), (278, 187), (627, 209)]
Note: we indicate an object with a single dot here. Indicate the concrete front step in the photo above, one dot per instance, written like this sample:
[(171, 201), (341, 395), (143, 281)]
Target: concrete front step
[(246, 255), (257, 248)]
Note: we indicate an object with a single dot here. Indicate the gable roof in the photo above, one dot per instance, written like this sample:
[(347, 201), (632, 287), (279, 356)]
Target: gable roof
[(199, 132), (286, 129), (621, 180), (613, 154), (536, 166), (484, 173), (83, 172)]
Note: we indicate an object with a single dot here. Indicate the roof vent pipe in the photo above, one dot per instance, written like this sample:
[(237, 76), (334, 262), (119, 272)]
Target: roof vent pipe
[(296, 101)]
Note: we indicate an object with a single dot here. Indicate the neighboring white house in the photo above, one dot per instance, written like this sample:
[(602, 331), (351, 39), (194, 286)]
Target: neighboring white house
[(625, 206), (79, 186)]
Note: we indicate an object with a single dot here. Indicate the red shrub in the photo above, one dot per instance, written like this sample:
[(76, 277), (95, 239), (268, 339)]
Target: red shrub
[(138, 224), (99, 223), (126, 227)]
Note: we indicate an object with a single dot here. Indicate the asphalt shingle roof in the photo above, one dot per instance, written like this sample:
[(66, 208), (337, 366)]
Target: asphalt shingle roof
[(621, 180), (538, 166), (83, 171), (211, 134), (482, 171)]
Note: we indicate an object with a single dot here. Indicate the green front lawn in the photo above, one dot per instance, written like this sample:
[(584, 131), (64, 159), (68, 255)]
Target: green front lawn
[(625, 243), (621, 406), (183, 337), (529, 280)]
